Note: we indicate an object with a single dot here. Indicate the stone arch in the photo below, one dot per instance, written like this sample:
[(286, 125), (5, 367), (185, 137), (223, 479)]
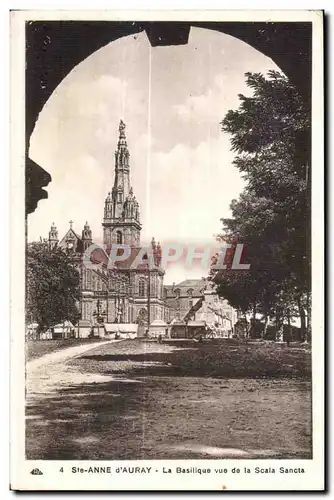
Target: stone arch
[(48, 43)]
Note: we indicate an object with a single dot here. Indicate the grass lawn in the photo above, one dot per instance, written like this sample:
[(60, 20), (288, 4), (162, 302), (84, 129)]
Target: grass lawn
[(143, 400), (37, 348), (224, 359)]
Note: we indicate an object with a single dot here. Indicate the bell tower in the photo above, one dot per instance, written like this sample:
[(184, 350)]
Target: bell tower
[(86, 236), (121, 222), (53, 236)]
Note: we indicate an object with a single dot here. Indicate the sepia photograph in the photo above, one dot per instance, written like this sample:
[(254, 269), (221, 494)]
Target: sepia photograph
[(168, 244)]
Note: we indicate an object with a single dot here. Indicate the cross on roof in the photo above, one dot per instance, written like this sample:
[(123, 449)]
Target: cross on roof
[(71, 222)]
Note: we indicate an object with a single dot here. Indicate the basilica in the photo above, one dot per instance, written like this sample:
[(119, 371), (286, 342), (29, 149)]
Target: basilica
[(121, 293)]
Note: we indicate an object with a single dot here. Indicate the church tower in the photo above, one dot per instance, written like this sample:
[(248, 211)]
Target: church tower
[(53, 236), (86, 236), (121, 222)]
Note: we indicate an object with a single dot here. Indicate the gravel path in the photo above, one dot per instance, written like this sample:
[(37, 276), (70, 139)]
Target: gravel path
[(50, 372)]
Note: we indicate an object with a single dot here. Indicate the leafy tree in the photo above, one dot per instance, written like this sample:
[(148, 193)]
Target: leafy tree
[(270, 134), (52, 285)]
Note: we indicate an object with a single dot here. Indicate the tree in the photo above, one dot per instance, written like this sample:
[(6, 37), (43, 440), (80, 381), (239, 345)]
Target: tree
[(52, 285), (270, 134)]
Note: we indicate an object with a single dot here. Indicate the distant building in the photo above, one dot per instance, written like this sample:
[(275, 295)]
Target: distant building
[(196, 300), (63, 330), (182, 297)]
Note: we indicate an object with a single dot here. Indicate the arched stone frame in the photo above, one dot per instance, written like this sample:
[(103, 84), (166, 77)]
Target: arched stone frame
[(289, 45)]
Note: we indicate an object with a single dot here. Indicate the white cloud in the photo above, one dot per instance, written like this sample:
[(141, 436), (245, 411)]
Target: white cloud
[(185, 181), (191, 189)]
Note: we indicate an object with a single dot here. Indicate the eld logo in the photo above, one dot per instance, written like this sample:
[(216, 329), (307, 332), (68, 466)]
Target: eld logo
[(36, 472)]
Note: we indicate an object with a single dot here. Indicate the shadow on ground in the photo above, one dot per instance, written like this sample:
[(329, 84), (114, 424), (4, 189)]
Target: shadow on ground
[(224, 360), (172, 418)]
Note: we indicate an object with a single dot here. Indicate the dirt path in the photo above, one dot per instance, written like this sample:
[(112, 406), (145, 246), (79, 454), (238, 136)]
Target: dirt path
[(102, 407), (50, 372)]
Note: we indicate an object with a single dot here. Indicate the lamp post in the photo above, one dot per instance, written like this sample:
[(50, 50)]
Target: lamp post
[(120, 289), (80, 295), (148, 297), (98, 314)]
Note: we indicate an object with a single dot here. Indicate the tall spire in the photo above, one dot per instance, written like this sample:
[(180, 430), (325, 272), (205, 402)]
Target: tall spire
[(122, 146), (121, 187), (121, 129), (121, 210)]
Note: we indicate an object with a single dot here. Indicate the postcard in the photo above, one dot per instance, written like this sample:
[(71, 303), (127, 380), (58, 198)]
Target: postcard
[(167, 232)]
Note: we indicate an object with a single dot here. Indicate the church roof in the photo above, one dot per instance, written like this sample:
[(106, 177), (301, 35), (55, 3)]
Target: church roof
[(191, 283), (100, 256), (71, 235)]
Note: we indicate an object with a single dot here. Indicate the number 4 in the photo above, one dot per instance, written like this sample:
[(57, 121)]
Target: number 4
[(61, 469)]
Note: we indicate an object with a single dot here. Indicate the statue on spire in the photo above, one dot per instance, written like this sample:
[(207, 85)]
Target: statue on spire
[(121, 128), (122, 145)]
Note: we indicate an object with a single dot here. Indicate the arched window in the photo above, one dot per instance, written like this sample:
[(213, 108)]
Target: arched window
[(142, 284), (177, 292), (190, 292), (119, 237)]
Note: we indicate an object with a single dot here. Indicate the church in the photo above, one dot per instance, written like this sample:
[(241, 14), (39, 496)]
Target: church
[(119, 293)]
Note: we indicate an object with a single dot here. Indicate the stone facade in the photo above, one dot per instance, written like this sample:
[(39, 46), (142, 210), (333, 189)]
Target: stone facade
[(122, 294), (181, 297), (196, 299), (217, 311)]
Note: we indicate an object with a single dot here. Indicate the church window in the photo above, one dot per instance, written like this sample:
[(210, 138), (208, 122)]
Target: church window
[(119, 197), (153, 288), (142, 288), (119, 237), (70, 244)]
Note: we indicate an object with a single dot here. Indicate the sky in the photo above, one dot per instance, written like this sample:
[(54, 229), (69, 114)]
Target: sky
[(172, 100)]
